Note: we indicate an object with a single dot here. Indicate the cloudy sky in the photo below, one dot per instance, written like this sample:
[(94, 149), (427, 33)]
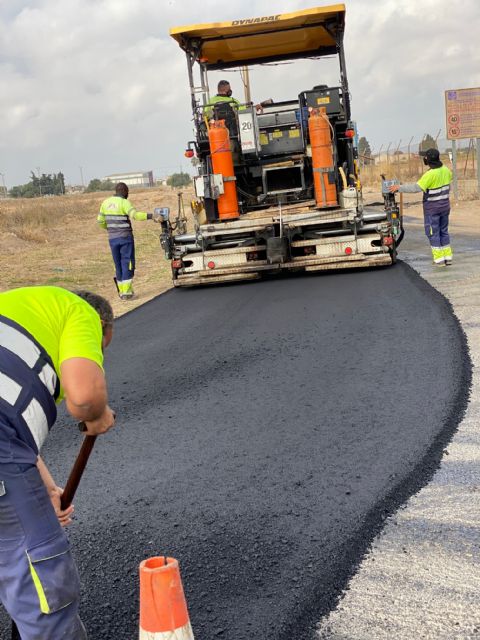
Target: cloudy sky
[(93, 87)]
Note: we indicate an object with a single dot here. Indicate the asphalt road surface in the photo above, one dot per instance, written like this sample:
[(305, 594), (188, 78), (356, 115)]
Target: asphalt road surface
[(265, 430)]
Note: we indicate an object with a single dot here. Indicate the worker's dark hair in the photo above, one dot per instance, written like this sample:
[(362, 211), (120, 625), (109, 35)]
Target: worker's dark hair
[(100, 304), (222, 84), (121, 190)]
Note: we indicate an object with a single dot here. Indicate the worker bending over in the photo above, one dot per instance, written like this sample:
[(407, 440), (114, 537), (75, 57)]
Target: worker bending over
[(435, 185), (116, 214), (51, 347)]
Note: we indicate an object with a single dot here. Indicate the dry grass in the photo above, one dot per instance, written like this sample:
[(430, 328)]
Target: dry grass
[(370, 175), (56, 241)]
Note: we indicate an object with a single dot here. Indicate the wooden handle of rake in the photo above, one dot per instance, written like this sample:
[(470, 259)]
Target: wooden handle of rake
[(77, 469)]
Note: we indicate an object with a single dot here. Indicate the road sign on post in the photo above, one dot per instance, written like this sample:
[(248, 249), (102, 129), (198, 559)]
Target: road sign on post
[(462, 110)]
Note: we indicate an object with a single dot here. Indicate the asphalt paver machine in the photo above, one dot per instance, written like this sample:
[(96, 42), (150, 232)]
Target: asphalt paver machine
[(278, 185)]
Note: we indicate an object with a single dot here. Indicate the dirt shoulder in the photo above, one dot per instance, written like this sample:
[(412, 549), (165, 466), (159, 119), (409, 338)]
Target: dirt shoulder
[(56, 241)]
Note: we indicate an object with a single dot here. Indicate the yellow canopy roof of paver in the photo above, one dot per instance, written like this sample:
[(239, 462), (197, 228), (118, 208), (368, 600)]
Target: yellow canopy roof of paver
[(307, 33)]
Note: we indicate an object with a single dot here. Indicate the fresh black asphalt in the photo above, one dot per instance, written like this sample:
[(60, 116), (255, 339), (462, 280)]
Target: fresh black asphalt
[(264, 432)]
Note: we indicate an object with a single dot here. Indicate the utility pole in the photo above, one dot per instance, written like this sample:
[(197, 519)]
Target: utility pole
[(380, 154), (81, 176), (397, 150), (388, 151), (245, 75), (369, 159), (409, 165), (39, 181), (4, 187)]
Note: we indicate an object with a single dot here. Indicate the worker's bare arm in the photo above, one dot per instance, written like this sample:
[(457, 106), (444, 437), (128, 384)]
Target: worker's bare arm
[(86, 394), (47, 479), (64, 515)]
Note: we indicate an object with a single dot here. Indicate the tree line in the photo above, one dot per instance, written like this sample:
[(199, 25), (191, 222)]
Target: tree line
[(53, 184), (48, 184), (175, 180)]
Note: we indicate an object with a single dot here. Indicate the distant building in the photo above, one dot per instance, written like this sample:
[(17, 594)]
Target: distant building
[(133, 178)]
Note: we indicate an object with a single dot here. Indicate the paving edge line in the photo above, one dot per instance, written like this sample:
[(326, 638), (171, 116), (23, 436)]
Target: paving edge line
[(420, 578)]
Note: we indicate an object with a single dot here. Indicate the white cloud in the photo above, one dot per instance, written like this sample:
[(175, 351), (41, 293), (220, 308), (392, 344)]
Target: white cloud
[(408, 57), (100, 84)]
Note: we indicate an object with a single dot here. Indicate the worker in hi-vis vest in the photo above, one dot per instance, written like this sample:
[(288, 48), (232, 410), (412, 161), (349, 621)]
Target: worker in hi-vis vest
[(224, 94), (115, 216), (435, 185), (51, 347)]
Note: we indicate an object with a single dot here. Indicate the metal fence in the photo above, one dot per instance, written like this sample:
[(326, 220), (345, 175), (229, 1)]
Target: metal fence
[(404, 163)]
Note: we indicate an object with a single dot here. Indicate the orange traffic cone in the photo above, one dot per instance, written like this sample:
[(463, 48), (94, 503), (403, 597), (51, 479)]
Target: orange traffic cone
[(163, 609)]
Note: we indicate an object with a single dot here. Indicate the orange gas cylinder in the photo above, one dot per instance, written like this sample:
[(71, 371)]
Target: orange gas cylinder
[(322, 158), (222, 162)]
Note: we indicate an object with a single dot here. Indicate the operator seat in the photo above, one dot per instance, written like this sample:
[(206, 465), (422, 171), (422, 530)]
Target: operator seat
[(225, 111)]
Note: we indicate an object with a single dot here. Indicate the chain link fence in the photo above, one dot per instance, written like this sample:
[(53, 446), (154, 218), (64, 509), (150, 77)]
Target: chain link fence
[(404, 163)]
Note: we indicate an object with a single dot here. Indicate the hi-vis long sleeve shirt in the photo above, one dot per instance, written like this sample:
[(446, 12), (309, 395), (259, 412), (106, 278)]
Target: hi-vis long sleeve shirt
[(116, 214), (435, 184)]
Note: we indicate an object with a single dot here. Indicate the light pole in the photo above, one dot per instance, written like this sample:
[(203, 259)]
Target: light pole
[(388, 149), (39, 181), (4, 187), (397, 151), (409, 165), (245, 76)]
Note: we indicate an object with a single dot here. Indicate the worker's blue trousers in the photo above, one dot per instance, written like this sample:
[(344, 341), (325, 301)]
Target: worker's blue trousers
[(123, 253), (436, 226), (37, 571)]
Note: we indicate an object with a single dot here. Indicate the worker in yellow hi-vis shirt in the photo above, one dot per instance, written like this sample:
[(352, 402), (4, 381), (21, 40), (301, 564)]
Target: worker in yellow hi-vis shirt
[(115, 216), (51, 348), (435, 185), (224, 95)]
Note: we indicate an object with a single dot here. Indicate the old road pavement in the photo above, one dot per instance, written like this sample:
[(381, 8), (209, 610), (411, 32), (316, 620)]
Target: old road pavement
[(265, 431)]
